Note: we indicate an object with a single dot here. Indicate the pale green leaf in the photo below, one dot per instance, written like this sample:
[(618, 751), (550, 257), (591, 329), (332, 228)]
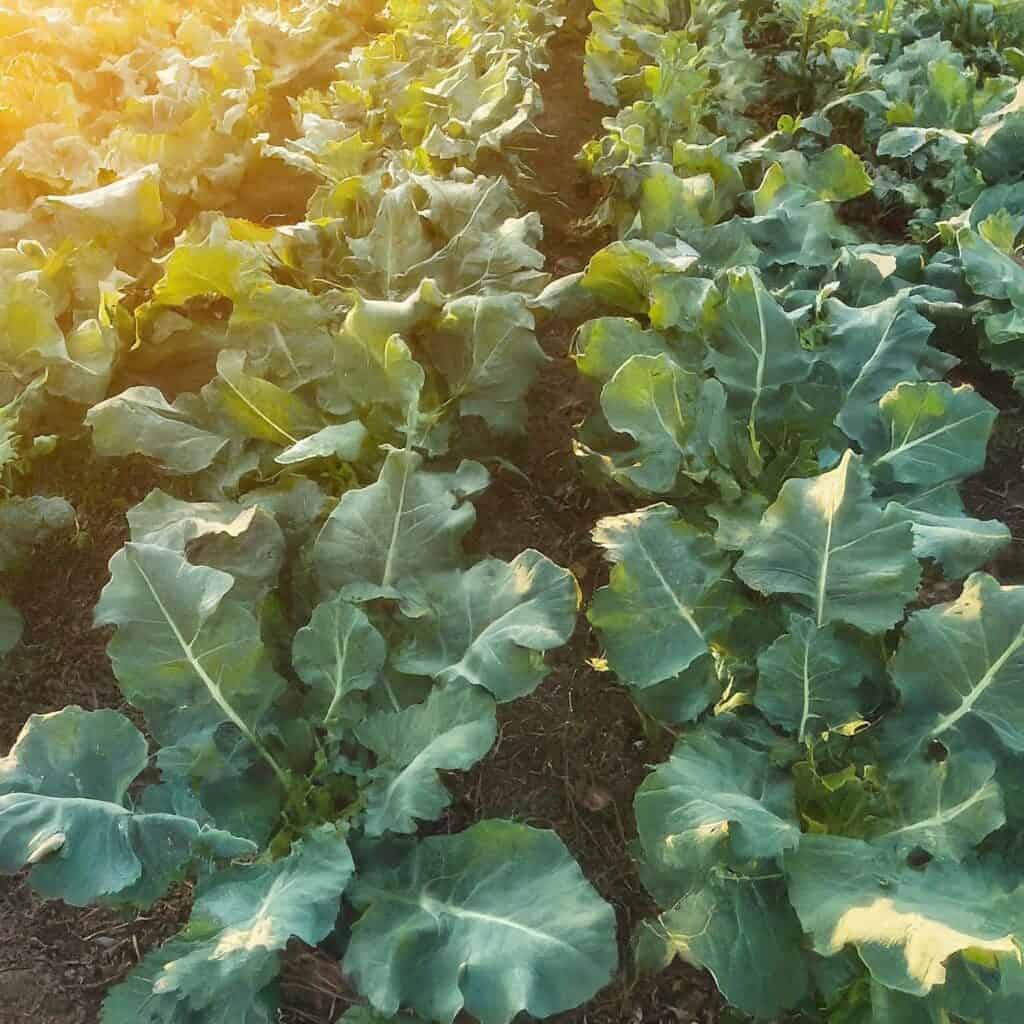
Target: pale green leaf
[(219, 968), (490, 625), (826, 541), (410, 523), (905, 921), (494, 920), (344, 441), (808, 679), (450, 731), (662, 568), (933, 433), (339, 653), (140, 420)]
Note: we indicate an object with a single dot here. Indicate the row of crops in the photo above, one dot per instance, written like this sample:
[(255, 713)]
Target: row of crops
[(816, 205), (837, 831)]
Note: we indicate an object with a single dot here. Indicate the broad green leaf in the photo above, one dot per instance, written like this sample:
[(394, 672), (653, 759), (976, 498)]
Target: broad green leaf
[(826, 541), (76, 753), (490, 625), (452, 730), (604, 344), (259, 409), (486, 350), (285, 333), (216, 775), (833, 176), (488, 246), (129, 206), (904, 921), (214, 265), (715, 801), (637, 276), (797, 233), (297, 503), (218, 968), (63, 790), (873, 348), (745, 933), (185, 656), (944, 807), (808, 680), (960, 665), (755, 351), (935, 433), (381, 539), (838, 174), (344, 441), (669, 204), (140, 420), (370, 373), (658, 403), (738, 521), (245, 542), (735, 628), (943, 530), (396, 242), (494, 920), (989, 270), (339, 653), (662, 569)]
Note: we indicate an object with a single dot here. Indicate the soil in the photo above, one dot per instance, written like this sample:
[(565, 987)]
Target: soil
[(567, 758)]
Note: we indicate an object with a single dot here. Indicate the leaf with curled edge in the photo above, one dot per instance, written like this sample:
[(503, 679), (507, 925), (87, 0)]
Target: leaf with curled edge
[(64, 812), (490, 625), (718, 800), (141, 421), (451, 730), (245, 542), (220, 967)]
